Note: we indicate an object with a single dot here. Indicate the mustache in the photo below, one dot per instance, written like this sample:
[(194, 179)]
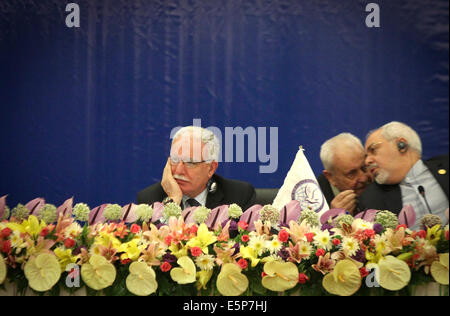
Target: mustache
[(180, 177), (372, 165)]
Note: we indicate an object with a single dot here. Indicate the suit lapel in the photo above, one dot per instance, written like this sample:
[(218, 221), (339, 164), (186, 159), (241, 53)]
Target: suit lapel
[(214, 199), (392, 198), (440, 173)]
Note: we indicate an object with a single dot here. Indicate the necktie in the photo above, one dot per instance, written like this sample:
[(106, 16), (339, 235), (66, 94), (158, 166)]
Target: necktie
[(192, 203)]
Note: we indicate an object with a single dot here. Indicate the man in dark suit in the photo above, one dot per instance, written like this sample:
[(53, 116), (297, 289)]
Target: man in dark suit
[(394, 154), (189, 177), (344, 177)]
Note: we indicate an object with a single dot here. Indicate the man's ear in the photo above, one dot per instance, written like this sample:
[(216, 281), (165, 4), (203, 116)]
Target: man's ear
[(212, 168), (329, 176)]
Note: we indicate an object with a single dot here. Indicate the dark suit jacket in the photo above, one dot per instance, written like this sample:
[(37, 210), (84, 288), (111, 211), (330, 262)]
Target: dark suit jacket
[(326, 188), (228, 192), (389, 197)]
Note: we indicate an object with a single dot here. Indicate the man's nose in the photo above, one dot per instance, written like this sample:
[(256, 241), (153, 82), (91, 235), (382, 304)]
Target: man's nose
[(179, 168), (369, 160)]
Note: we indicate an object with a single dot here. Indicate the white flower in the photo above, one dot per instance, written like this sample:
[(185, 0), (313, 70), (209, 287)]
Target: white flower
[(362, 224), (305, 248), (234, 211), (323, 240), (73, 231), (274, 245), (257, 243), (201, 214), (171, 209), (205, 262), (144, 212), (350, 246)]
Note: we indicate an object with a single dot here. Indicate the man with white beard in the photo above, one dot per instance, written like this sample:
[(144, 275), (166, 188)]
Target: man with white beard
[(394, 158)]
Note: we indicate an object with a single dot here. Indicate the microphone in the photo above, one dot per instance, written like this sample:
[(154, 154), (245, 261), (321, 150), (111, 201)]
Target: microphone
[(421, 190)]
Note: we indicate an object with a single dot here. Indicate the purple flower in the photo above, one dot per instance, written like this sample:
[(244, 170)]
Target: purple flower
[(237, 248), (233, 225), (328, 227), (360, 256), (283, 254), (169, 258), (378, 228)]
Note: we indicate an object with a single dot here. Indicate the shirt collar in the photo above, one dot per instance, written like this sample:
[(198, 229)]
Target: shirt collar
[(201, 198), (416, 170)]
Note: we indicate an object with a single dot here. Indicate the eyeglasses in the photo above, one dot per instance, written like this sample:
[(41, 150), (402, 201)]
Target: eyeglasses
[(174, 161)]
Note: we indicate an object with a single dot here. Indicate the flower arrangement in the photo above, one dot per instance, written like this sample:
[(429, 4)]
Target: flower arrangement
[(345, 256)]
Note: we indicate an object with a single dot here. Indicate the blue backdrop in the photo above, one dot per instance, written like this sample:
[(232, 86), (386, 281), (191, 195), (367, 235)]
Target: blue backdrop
[(87, 111)]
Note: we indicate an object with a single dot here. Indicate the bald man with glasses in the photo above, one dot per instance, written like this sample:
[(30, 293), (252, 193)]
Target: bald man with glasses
[(189, 177)]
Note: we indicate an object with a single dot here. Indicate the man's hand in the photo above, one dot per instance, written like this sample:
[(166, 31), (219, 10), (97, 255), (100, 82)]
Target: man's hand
[(170, 186), (346, 200)]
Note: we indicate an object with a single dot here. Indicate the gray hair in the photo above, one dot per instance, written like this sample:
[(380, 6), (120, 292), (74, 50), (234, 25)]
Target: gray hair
[(327, 150), (395, 130), (208, 138)]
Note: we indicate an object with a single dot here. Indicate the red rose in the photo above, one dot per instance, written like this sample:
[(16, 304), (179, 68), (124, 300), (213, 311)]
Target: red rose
[(196, 251), (44, 232), (369, 233), (245, 238), (263, 274), (194, 229), (5, 232), (125, 261), (336, 242), (363, 271), (422, 234), (283, 235), (302, 278), (309, 237), (5, 246), (69, 243), (165, 266), (446, 235), (243, 225), (400, 226), (320, 252), (135, 228), (243, 263)]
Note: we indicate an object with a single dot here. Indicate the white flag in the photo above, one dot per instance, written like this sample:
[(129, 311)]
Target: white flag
[(300, 184)]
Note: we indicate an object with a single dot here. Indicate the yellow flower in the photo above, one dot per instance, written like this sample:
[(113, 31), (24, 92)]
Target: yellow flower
[(65, 257), (394, 274), (98, 273), (203, 240), (142, 279), (439, 269), (230, 281), (3, 270), (130, 250), (42, 272), (375, 257), (250, 253), (184, 274), (434, 234), (345, 279), (281, 276), (178, 250), (203, 278), (107, 240), (30, 226)]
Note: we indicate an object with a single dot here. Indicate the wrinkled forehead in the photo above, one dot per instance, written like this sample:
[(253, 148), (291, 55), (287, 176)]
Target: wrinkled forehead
[(187, 145), (349, 158), (373, 139)]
